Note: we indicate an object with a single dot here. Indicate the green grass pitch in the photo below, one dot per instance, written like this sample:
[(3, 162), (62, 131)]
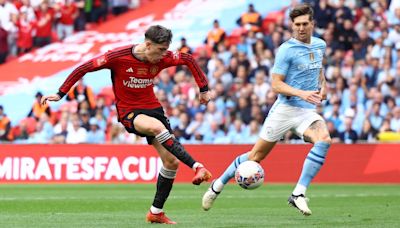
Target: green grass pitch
[(126, 206)]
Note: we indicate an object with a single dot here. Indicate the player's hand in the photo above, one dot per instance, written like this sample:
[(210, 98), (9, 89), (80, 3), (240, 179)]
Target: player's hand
[(312, 96), (204, 97), (52, 97)]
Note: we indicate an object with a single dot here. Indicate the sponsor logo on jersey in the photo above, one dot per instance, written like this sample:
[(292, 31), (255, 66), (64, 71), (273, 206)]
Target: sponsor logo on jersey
[(138, 83), (310, 66)]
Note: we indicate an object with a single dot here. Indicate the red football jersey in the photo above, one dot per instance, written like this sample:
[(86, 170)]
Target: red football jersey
[(132, 78)]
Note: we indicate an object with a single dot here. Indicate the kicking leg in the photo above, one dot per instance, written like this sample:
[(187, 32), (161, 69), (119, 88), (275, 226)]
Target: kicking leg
[(152, 126), (318, 134), (258, 153)]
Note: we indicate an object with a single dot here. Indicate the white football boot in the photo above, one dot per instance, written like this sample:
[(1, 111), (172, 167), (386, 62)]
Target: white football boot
[(300, 202), (209, 197)]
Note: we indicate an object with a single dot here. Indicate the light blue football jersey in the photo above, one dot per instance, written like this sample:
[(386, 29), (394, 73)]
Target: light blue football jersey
[(301, 64)]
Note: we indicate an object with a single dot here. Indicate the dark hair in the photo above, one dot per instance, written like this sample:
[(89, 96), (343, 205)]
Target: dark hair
[(158, 34), (300, 10)]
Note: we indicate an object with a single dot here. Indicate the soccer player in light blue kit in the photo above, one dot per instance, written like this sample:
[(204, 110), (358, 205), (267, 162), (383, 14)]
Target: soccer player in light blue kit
[(297, 76)]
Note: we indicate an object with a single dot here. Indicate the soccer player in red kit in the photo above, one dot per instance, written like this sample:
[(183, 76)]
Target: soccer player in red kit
[(133, 69)]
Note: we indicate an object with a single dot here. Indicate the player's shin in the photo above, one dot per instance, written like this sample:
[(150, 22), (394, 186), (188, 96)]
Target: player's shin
[(174, 147), (229, 173), (165, 181), (312, 164)]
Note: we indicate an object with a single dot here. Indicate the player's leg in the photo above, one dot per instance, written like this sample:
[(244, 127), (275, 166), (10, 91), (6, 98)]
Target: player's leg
[(257, 153), (273, 129), (165, 181), (316, 133), (154, 127)]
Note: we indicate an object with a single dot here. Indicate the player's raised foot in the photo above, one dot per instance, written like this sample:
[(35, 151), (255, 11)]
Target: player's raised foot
[(208, 198), (300, 202), (158, 218), (202, 174)]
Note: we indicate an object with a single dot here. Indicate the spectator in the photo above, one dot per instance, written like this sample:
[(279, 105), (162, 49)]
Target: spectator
[(3, 44), (236, 131), (348, 136), (76, 134), (165, 82), (198, 125), (82, 92), (184, 48), (45, 18), (8, 18), (5, 126), (95, 134), (333, 131), (368, 133), (323, 14), (180, 130), (342, 12), (346, 34), (38, 109), (215, 36), (250, 20), (119, 6), (26, 28), (67, 14), (395, 121), (215, 134)]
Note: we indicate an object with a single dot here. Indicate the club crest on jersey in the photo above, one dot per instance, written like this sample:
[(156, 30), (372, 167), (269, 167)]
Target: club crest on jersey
[(130, 115), (153, 70), (311, 56)]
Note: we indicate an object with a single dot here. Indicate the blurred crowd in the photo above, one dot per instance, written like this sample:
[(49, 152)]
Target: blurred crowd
[(29, 24), (362, 68)]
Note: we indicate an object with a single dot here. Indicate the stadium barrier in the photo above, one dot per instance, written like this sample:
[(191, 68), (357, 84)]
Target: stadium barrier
[(363, 163)]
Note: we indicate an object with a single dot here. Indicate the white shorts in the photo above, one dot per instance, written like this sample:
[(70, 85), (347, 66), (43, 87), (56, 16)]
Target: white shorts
[(283, 118)]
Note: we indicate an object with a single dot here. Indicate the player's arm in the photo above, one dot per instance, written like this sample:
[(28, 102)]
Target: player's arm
[(94, 64), (322, 82), (279, 86), (179, 58)]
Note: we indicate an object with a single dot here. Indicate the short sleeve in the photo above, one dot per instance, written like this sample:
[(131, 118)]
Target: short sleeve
[(282, 62)]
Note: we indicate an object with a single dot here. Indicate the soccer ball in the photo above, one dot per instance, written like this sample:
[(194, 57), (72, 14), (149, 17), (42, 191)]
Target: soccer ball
[(249, 175)]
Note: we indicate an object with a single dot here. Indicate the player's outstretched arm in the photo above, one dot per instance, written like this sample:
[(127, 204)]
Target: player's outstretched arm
[(52, 97)]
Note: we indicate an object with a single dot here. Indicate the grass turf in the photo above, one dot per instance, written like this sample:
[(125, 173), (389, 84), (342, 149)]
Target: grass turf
[(127, 205)]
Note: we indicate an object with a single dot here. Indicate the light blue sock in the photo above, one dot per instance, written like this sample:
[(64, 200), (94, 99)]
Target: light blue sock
[(314, 160), (230, 171)]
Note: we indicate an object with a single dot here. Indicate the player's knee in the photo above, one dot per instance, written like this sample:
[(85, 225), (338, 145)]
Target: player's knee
[(157, 129), (171, 163), (326, 139)]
